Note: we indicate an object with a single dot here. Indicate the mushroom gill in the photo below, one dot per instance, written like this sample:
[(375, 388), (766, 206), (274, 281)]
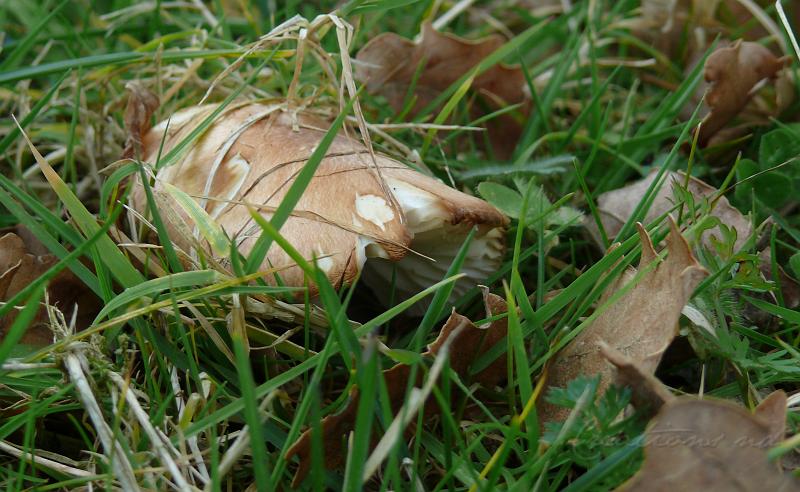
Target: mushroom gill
[(354, 211), (438, 233)]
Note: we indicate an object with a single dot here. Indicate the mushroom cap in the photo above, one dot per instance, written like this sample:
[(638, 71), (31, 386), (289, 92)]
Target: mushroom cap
[(351, 210)]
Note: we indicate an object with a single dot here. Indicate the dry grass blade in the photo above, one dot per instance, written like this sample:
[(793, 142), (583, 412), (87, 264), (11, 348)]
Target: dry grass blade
[(74, 362), (155, 439), (43, 461), (242, 442)]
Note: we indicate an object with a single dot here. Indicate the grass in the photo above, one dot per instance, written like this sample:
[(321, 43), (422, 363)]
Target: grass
[(180, 381)]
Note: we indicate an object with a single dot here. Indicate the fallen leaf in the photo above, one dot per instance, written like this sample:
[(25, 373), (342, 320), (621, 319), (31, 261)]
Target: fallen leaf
[(662, 23), (19, 267), (470, 342), (140, 108), (734, 73), (648, 394), (684, 30), (772, 410), (713, 445), (335, 429), (640, 325), (389, 64), (678, 28), (616, 206), (354, 211), (688, 27)]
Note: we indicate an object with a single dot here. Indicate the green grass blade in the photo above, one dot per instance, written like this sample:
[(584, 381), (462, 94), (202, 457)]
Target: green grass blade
[(546, 100), (788, 315), (12, 135), (644, 204), (110, 254), (361, 436), (22, 49), (163, 237), (448, 108), (149, 288), (208, 227), (276, 382), (109, 59), (251, 411)]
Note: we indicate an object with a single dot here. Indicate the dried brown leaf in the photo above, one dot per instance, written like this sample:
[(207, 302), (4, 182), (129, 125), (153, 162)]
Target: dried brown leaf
[(648, 394), (688, 27), (734, 72), (772, 411), (616, 207), (683, 30), (713, 445), (388, 64), (470, 343), (18, 268), (640, 325), (140, 108), (335, 429), (12, 250)]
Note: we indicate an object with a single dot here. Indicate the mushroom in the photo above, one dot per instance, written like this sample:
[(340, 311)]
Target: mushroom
[(356, 211)]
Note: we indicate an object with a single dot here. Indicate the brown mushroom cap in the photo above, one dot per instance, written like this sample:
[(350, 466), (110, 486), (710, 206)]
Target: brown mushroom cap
[(251, 154)]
